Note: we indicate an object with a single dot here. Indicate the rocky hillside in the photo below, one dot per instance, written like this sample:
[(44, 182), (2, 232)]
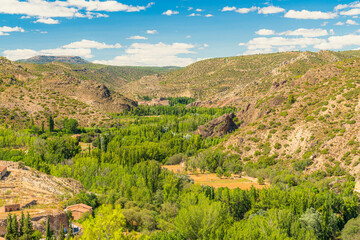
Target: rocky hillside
[(312, 119), (31, 90), (218, 79), (23, 185)]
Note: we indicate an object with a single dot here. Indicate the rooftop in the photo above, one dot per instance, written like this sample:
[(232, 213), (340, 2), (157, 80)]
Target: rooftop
[(79, 206), (2, 168)]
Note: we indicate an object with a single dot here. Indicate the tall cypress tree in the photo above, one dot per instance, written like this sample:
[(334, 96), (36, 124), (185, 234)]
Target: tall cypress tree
[(48, 230), (9, 233), (62, 233), (22, 222), (51, 123), (28, 227), (15, 227)]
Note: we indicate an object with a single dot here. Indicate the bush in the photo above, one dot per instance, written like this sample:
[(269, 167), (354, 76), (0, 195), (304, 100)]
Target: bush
[(175, 159)]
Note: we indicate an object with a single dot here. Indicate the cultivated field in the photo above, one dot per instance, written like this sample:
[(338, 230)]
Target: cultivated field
[(210, 179)]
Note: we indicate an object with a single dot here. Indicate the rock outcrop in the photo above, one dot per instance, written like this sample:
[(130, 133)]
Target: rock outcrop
[(218, 127)]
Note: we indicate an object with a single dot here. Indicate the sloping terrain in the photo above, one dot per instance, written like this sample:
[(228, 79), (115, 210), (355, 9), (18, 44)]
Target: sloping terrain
[(220, 78), (23, 185), (30, 90)]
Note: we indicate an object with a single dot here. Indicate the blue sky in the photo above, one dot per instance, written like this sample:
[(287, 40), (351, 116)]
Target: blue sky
[(176, 32)]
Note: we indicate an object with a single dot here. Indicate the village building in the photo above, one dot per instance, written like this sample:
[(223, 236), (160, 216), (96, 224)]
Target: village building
[(3, 171), (78, 210), (10, 208)]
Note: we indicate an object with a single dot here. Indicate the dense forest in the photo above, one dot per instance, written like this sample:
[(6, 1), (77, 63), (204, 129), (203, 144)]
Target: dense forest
[(135, 198)]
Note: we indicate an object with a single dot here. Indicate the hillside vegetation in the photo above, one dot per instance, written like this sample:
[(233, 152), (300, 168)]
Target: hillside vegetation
[(289, 121)]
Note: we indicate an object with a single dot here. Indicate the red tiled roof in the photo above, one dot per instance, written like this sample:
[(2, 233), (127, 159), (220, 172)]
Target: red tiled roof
[(79, 206), (2, 168)]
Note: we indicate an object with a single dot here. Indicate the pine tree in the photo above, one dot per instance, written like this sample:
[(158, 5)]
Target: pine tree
[(9, 233), (48, 230), (42, 127)]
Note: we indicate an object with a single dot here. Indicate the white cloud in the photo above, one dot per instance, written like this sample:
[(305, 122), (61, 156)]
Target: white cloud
[(351, 12), (194, 15), (137, 37), (265, 32), (47, 21), (170, 12), (324, 24), (5, 31), (332, 32), (339, 23), (339, 42), (315, 32), (305, 14), (91, 44), (271, 10), (276, 44), (160, 54), (205, 45), (190, 8), (239, 10), (198, 10), (351, 22), (188, 36), (151, 31), (81, 48), (209, 15), (67, 8)]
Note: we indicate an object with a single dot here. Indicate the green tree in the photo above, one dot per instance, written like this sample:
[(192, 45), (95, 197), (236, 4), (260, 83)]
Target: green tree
[(22, 222), (51, 123), (9, 228), (48, 234), (108, 223)]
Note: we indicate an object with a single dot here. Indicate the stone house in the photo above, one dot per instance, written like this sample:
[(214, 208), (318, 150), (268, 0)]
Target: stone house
[(78, 210)]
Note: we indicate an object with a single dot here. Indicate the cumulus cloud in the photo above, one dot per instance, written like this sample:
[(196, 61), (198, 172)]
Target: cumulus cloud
[(351, 12), (314, 32), (43, 9), (351, 22), (194, 15), (339, 42), (151, 31), (339, 23), (271, 10), (265, 32), (305, 14), (209, 15), (5, 31), (137, 38), (160, 54), (81, 48), (239, 10), (278, 44), (47, 21), (170, 12), (198, 10), (91, 44)]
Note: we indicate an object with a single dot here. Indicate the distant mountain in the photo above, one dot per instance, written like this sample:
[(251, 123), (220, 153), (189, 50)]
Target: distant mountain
[(41, 59)]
